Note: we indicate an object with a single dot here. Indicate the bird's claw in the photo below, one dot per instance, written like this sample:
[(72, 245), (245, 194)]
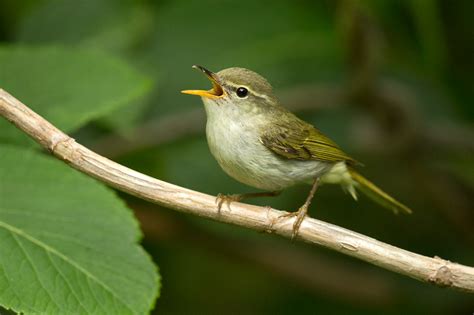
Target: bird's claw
[(221, 199), (300, 215)]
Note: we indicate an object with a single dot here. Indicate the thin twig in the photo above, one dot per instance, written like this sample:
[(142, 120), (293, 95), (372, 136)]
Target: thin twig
[(433, 270)]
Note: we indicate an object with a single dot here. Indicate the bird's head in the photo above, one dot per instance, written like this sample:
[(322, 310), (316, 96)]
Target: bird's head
[(238, 89)]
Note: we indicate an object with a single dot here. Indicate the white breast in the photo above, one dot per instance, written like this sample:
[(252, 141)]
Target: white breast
[(236, 145)]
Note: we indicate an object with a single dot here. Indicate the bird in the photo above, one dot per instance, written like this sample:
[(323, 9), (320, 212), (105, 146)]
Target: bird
[(260, 143)]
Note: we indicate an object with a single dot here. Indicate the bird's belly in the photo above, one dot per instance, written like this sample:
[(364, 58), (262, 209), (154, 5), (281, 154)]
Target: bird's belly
[(242, 156)]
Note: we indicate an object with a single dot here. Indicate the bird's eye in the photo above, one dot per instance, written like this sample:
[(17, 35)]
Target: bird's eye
[(242, 92)]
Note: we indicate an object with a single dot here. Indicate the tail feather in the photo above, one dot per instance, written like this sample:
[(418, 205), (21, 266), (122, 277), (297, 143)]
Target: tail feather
[(375, 193)]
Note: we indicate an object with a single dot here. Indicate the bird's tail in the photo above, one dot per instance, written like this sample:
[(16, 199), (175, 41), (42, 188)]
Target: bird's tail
[(375, 193)]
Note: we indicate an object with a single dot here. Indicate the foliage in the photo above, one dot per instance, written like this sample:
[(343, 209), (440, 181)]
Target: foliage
[(68, 244), (68, 87)]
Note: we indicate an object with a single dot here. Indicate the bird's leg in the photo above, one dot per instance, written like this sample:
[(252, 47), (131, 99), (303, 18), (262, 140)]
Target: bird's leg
[(221, 198), (301, 213)]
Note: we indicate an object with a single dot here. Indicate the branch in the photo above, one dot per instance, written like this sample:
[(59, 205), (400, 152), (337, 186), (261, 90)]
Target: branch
[(432, 270), (334, 278)]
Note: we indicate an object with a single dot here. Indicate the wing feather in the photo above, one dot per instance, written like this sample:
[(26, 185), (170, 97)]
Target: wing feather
[(299, 140)]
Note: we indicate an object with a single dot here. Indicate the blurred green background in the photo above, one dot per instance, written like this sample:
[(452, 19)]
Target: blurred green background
[(390, 81)]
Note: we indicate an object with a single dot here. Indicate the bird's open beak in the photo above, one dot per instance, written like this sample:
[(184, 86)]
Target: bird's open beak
[(215, 92)]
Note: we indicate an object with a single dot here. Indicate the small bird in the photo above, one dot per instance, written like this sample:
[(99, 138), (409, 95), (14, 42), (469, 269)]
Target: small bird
[(261, 144)]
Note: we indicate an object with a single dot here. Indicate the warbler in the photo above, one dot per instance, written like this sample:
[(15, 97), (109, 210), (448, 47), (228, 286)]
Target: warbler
[(260, 143)]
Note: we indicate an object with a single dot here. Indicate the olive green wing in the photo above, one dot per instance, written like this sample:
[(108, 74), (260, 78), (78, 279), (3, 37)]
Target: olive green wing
[(299, 140)]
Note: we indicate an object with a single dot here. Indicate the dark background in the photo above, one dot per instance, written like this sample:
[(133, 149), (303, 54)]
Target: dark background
[(390, 81)]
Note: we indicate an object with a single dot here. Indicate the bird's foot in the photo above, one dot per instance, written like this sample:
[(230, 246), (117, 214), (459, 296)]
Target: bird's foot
[(300, 215), (221, 199)]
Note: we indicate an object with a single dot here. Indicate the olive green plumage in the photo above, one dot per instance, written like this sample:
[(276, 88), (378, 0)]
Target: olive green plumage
[(296, 139), (260, 143)]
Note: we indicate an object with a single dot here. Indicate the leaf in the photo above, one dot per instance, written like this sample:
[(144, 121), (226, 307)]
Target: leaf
[(68, 87), (68, 245)]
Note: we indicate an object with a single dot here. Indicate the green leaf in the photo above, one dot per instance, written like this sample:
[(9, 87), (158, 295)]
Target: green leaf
[(68, 87), (68, 245)]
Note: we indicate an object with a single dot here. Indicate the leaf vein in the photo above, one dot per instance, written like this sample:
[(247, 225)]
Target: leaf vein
[(40, 244), (66, 281), (36, 273)]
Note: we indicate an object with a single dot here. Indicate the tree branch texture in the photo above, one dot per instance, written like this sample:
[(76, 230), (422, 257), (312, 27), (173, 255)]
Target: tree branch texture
[(432, 270)]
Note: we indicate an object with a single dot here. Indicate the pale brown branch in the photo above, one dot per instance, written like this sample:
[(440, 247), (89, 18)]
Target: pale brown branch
[(334, 278), (433, 270)]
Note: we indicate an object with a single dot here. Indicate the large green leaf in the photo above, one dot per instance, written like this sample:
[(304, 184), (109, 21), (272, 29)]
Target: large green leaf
[(68, 87), (68, 245)]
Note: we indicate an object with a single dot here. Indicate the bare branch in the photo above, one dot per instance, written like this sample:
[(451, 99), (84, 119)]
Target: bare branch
[(433, 270), (334, 278)]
